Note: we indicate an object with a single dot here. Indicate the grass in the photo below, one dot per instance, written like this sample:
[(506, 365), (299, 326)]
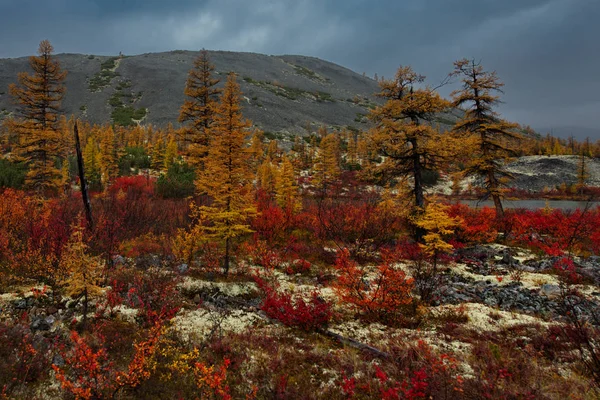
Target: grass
[(361, 118), (306, 72), (103, 78), (125, 115), (289, 92), (273, 135)]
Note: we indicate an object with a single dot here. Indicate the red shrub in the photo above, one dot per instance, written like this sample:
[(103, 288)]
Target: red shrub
[(556, 232), (294, 310), (384, 296), (153, 293), (428, 376), (479, 224), (91, 375)]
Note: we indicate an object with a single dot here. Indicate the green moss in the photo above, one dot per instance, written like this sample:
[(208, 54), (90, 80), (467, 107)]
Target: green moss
[(109, 63), (324, 96), (125, 115), (103, 78), (273, 135), (305, 71)]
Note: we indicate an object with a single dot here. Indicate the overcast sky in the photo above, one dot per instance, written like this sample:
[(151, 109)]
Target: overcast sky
[(545, 51)]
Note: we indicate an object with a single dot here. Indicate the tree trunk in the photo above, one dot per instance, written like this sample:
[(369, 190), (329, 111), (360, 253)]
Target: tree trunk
[(226, 261), (82, 181), (498, 205), (494, 191), (418, 189)]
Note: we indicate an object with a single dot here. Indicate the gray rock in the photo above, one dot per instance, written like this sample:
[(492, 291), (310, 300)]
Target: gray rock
[(118, 260), (20, 304), (491, 301), (40, 324), (58, 360), (183, 268), (50, 320), (551, 291)]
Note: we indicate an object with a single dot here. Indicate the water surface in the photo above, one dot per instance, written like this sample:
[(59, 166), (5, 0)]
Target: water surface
[(533, 204)]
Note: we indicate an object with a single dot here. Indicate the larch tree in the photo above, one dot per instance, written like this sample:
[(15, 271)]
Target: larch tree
[(91, 162), (257, 151), (267, 176), (493, 139), (227, 176), (171, 153), (352, 152), (157, 155), (404, 136), (37, 126), (108, 159), (286, 188), (198, 109), (328, 165), (82, 272), (273, 150)]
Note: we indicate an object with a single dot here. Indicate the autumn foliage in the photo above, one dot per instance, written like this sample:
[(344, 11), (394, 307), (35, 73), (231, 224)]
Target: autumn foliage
[(381, 294), (224, 264)]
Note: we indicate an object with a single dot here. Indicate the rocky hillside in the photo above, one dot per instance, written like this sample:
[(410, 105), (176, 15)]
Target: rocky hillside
[(282, 94), (538, 173), (535, 173)]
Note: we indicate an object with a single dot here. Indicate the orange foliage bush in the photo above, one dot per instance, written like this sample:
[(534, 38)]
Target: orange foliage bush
[(383, 295), (478, 225), (33, 234)]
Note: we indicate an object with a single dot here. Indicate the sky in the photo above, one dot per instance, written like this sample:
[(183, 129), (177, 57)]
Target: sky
[(545, 51)]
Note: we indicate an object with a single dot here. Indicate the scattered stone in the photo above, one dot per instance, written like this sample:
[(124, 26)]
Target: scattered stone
[(550, 291), (21, 304), (58, 360), (183, 268), (118, 260), (40, 324)]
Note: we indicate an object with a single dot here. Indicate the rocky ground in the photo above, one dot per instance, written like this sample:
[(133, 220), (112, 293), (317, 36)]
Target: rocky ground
[(537, 174)]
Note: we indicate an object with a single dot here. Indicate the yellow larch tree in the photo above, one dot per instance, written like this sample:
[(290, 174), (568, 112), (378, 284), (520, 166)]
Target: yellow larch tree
[(108, 159), (157, 154), (273, 150), (198, 109), (404, 136), (36, 125), (227, 176), (267, 176), (82, 272), (438, 225), (91, 162), (286, 187), (328, 166), (352, 152), (493, 139), (257, 151), (171, 153)]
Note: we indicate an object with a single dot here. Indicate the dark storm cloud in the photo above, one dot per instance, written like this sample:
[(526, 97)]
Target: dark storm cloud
[(546, 51)]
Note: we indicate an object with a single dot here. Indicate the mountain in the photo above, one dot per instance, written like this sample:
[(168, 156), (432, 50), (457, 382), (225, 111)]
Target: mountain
[(578, 132), (285, 95)]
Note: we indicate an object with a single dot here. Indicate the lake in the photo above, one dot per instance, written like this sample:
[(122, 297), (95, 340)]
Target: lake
[(532, 204)]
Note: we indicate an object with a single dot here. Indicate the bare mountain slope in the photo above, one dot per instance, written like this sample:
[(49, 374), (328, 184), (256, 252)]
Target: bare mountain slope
[(282, 94)]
